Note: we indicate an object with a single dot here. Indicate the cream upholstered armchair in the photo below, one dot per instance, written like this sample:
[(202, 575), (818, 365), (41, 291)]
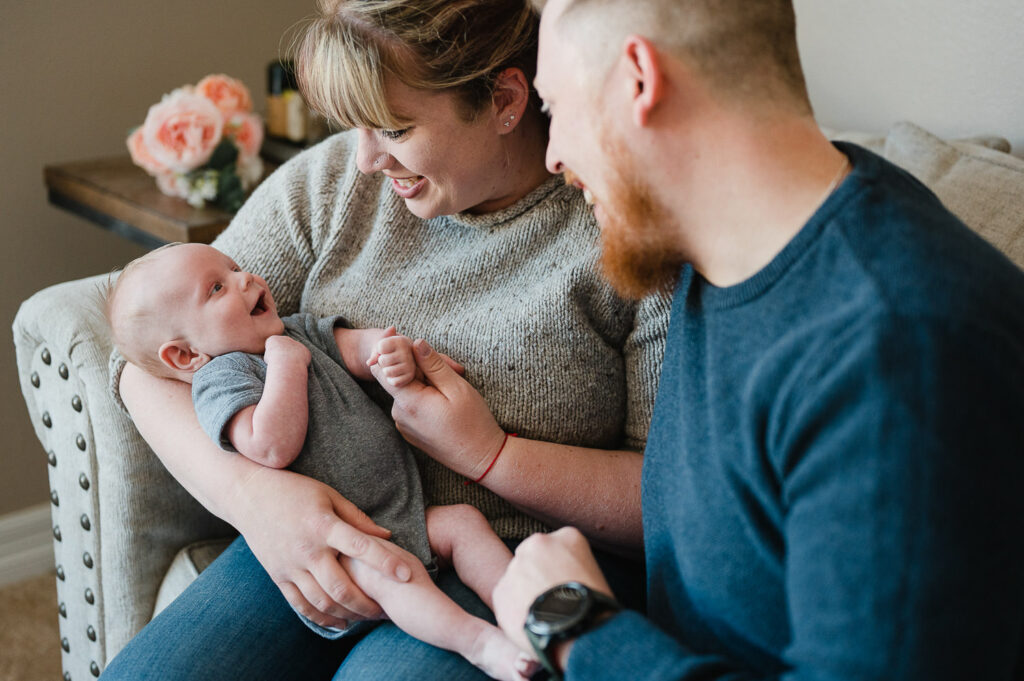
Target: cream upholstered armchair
[(128, 538), (119, 518)]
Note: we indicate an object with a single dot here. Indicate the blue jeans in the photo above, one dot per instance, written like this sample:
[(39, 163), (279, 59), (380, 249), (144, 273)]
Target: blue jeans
[(233, 623)]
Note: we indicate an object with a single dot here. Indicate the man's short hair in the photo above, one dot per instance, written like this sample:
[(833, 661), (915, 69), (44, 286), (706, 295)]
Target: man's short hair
[(745, 49)]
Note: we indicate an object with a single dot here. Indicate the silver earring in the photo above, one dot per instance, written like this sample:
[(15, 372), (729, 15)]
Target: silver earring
[(507, 124)]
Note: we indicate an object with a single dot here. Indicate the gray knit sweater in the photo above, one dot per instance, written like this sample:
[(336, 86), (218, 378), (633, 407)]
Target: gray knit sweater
[(514, 296)]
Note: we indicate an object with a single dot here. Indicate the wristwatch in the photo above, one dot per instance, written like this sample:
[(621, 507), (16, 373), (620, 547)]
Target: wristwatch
[(561, 613)]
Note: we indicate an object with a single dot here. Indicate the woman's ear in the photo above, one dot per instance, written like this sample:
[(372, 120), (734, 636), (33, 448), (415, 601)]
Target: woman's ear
[(510, 98), (178, 355)]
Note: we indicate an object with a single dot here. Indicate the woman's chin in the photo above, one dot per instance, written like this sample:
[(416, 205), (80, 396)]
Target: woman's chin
[(423, 209)]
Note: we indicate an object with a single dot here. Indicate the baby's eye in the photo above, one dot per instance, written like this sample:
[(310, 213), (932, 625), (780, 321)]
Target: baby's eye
[(395, 134), (216, 287)]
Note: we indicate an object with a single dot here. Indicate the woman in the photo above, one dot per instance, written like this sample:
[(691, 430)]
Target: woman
[(436, 214)]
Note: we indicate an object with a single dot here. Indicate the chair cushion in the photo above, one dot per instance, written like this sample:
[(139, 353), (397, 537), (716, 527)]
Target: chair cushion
[(981, 186), (185, 567)]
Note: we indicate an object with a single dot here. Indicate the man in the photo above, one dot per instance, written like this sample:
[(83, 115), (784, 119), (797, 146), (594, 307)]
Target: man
[(833, 479)]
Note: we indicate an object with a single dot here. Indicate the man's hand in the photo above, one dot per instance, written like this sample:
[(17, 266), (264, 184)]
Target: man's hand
[(541, 562)]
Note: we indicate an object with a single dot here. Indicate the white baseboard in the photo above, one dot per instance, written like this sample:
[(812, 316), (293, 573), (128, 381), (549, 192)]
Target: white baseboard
[(26, 544)]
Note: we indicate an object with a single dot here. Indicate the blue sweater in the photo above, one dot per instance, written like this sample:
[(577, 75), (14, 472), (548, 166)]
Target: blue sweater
[(833, 484)]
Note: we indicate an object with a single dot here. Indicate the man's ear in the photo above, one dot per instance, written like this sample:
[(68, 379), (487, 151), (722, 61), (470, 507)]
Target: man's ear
[(647, 80), (510, 98), (178, 355)]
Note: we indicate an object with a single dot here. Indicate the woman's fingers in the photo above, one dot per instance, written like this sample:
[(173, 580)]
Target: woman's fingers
[(345, 599), (370, 550), (354, 516), (301, 602), (456, 367), (436, 370)]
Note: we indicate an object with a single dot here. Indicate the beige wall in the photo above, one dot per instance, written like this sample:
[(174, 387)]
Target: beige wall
[(952, 67), (74, 78)]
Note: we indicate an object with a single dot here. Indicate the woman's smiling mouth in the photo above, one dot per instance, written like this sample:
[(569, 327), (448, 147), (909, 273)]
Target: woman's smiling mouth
[(408, 187)]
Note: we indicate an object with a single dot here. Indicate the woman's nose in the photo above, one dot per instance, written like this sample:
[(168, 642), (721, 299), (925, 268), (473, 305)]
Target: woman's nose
[(370, 155)]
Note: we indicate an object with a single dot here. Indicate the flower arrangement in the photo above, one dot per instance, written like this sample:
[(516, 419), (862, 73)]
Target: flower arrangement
[(202, 143)]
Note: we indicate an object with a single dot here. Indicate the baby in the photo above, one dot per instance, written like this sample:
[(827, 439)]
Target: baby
[(283, 392)]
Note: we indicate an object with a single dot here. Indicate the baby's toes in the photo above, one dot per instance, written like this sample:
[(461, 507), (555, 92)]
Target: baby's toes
[(526, 666)]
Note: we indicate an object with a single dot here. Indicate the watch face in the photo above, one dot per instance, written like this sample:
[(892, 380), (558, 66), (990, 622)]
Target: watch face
[(558, 609)]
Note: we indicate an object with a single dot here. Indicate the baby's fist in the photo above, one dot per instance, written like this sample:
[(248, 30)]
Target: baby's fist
[(282, 349), (393, 355)]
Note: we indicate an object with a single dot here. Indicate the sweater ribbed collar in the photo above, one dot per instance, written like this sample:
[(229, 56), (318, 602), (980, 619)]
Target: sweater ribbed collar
[(498, 217)]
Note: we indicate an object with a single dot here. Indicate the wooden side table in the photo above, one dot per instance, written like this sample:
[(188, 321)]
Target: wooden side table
[(116, 194)]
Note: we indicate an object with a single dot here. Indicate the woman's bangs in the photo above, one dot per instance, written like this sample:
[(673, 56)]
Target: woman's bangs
[(342, 77)]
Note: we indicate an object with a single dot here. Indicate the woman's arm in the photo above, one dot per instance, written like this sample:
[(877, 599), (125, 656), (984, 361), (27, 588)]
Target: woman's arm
[(595, 490), (294, 525)]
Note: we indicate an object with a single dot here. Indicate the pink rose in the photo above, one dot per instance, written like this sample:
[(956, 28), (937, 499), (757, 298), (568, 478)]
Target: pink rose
[(141, 156), (230, 95), (182, 130), (247, 132)]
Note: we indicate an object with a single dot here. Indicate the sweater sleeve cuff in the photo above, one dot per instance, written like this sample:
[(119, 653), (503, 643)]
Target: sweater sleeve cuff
[(619, 647)]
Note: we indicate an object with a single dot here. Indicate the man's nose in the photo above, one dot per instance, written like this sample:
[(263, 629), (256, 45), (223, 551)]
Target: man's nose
[(551, 160)]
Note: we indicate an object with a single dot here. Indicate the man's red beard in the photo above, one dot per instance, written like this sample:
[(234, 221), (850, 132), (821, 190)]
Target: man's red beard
[(639, 255)]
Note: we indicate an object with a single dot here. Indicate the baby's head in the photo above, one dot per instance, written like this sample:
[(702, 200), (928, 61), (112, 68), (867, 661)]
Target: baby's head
[(174, 309)]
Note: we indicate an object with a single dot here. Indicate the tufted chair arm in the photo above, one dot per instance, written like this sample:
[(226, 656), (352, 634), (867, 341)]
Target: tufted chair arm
[(118, 516)]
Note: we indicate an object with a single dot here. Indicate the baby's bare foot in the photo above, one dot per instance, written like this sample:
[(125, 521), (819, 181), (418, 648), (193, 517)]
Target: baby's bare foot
[(501, 659), (526, 666)]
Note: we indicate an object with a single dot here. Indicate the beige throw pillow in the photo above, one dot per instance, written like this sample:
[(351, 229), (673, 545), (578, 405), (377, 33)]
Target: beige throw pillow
[(974, 178)]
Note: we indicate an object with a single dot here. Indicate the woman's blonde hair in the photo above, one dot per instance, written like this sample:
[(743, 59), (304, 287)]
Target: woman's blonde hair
[(344, 55)]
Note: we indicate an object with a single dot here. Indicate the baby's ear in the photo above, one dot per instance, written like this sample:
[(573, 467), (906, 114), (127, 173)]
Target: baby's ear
[(178, 355)]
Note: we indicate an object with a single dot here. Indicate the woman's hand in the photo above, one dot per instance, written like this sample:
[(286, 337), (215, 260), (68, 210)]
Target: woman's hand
[(449, 420), (294, 525), (444, 415), (297, 528)]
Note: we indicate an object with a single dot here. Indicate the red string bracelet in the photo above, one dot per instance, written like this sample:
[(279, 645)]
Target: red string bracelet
[(493, 461)]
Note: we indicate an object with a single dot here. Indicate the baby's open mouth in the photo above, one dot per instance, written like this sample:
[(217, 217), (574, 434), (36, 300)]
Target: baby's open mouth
[(261, 305)]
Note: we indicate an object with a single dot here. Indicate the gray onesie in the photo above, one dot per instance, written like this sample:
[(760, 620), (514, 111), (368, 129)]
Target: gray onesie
[(351, 444)]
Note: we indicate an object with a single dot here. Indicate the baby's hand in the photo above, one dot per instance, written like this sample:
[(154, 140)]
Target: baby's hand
[(282, 349), (393, 354)]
